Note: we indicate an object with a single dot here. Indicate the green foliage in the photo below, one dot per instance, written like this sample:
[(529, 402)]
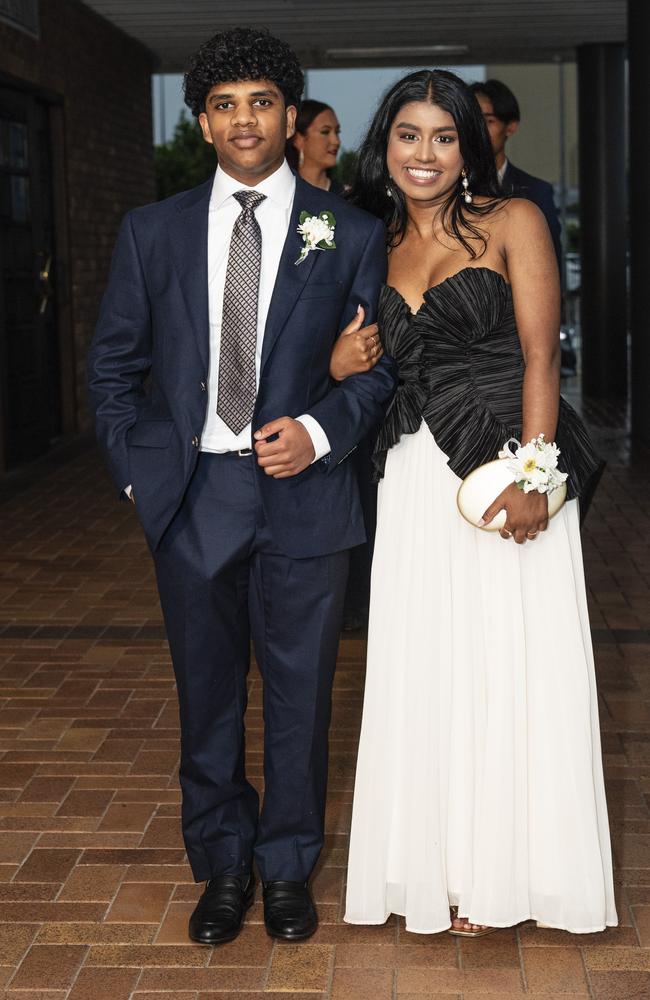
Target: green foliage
[(185, 161), (346, 167)]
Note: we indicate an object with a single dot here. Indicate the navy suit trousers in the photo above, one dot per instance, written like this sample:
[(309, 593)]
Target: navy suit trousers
[(222, 580)]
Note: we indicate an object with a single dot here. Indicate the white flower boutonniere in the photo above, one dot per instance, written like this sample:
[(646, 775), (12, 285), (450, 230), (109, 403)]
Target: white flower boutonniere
[(317, 232)]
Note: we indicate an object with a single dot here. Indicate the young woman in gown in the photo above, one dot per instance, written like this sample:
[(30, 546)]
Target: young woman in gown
[(479, 785)]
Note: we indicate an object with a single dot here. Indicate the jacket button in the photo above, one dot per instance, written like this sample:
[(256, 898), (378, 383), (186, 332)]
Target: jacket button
[(195, 441), (204, 388)]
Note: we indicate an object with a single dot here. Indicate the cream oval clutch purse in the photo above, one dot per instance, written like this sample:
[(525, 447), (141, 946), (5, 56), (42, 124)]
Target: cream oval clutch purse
[(478, 490)]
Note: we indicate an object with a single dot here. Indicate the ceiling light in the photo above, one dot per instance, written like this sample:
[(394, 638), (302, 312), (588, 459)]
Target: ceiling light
[(398, 52)]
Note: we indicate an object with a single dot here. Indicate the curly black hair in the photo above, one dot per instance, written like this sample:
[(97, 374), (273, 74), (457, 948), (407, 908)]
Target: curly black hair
[(242, 54)]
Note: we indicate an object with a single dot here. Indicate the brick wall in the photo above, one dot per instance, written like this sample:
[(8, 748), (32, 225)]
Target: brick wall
[(104, 79)]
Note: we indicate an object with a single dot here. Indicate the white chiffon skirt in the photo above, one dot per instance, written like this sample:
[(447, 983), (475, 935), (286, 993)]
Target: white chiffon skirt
[(479, 780)]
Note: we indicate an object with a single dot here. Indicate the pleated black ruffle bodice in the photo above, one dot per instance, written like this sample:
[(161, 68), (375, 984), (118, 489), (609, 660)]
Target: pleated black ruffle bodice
[(461, 368)]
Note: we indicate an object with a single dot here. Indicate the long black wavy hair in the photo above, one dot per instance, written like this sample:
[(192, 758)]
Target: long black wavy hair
[(242, 54), (372, 181)]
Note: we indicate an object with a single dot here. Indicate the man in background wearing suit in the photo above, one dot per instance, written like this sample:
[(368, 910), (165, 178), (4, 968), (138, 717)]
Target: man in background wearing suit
[(209, 379), (501, 113)]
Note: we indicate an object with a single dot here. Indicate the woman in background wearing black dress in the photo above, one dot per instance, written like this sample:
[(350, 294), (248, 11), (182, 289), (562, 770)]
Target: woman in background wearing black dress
[(479, 799)]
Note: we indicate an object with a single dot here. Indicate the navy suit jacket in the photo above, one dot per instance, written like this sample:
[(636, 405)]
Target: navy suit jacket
[(522, 185), (148, 364)]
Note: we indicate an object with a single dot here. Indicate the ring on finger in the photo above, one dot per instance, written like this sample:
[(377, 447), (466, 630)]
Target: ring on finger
[(508, 533), (532, 534)]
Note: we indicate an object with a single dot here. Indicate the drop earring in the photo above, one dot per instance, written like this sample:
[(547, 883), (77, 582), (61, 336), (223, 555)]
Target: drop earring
[(389, 190), (467, 194)]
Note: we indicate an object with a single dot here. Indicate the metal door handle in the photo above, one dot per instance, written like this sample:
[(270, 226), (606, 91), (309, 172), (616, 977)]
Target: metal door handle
[(46, 286)]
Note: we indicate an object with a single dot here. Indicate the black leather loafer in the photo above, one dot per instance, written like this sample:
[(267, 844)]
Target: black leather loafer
[(289, 911), (220, 912)]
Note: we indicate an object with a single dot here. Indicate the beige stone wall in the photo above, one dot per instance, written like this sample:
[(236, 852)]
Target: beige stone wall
[(536, 146)]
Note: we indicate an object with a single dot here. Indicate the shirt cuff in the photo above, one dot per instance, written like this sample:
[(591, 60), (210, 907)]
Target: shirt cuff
[(318, 436), (129, 491)]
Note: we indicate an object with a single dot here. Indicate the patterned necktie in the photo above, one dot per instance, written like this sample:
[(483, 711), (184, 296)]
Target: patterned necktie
[(236, 394)]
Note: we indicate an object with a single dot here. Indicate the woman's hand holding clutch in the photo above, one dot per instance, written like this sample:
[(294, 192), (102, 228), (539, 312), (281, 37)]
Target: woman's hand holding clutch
[(526, 513), (358, 349)]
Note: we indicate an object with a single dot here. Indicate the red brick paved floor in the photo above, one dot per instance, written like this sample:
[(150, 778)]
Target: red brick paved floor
[(95, 891)]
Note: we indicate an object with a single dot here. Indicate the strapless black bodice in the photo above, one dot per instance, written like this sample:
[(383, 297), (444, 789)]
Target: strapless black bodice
[(461, 368)]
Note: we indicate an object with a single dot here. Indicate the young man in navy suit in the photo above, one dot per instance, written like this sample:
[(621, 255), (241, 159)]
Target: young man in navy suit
[(501, 113), (209, 379)]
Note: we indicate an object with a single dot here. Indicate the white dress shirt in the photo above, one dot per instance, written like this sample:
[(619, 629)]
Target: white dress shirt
[(501, 172), (273, 216)]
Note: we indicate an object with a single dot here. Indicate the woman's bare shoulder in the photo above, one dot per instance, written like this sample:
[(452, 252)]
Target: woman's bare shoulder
[(515, 220), (521, 212), (509, 209)]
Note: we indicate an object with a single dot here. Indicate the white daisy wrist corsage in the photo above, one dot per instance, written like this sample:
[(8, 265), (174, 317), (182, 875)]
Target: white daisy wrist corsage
[(534, 465)]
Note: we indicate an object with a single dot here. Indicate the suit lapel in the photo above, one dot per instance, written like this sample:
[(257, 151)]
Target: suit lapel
[(515, 181), (189, 239), (292, 277)]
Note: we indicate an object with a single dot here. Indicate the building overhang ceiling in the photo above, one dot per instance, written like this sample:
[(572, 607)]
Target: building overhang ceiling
[(339, 33)]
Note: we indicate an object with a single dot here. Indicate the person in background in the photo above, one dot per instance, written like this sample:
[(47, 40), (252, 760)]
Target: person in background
[(313, 149), (502, 116)]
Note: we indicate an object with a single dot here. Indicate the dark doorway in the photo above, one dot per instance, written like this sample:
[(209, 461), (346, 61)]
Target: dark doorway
[(29, 354)]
